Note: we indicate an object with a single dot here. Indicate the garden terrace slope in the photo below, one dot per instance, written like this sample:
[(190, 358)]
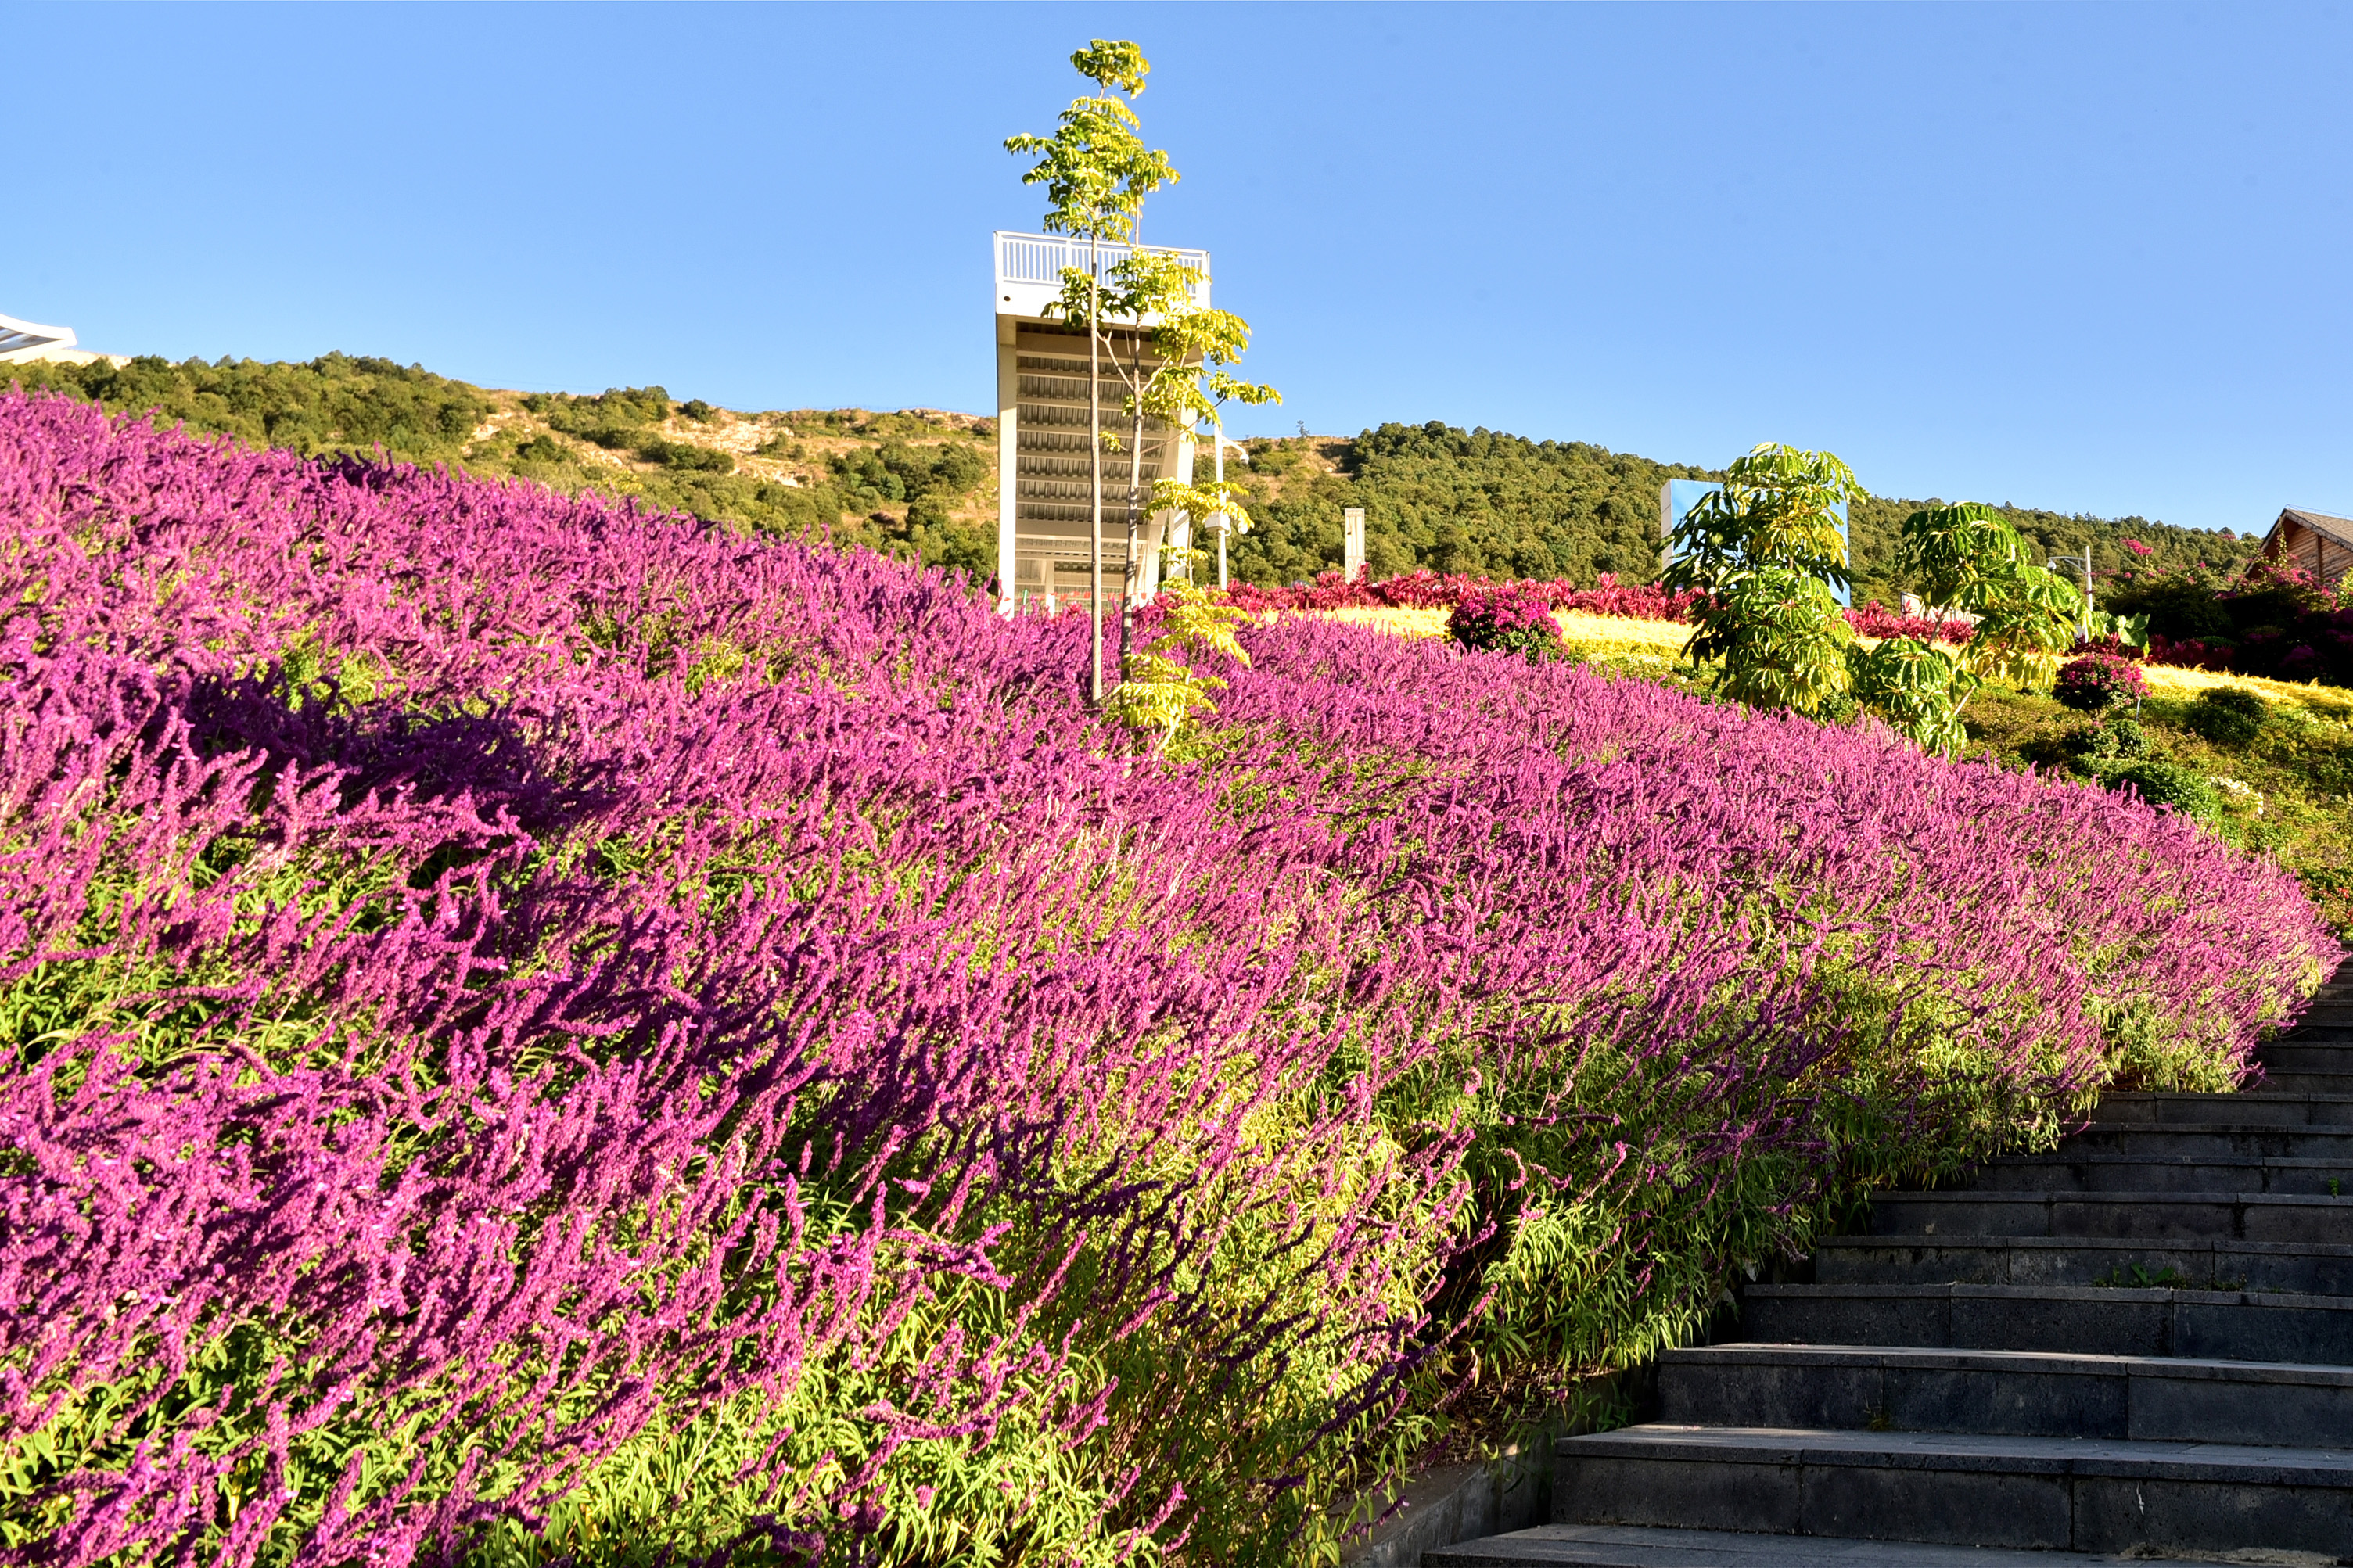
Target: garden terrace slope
[(533, 1025)]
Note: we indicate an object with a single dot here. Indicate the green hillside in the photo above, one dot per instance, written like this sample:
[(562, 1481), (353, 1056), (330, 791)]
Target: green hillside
[(923, 482), (920, 482)]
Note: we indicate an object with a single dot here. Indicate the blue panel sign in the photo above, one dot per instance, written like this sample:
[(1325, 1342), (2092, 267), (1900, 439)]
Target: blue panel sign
[(1677, 497)]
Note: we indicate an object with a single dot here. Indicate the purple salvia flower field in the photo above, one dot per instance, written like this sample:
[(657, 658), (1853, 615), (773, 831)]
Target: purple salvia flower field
[(540, 1031)]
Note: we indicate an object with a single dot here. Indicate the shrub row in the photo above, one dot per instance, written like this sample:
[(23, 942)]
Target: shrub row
[(1645, 601)]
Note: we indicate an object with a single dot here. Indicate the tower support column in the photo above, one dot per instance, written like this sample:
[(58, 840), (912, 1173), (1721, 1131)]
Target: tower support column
[(1008, 468)]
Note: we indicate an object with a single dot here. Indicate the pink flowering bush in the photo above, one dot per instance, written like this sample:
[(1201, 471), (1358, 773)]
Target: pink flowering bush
[(539, 1031), (1509, 617), (1875, 620), (1426, 589), (2099, 680)]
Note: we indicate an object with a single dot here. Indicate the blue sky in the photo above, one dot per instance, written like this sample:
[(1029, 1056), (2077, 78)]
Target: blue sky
[(2092, 258)]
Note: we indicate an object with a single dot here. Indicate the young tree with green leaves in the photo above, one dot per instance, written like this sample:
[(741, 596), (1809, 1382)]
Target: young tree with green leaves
[(1170, 356), (1097, 172), (1181, 381), (1916, 688), (1158, 690), (1766, 550), (1968, 557)]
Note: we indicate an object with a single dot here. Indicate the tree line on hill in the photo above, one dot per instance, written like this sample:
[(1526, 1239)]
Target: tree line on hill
[(1490, 504), (1476, 502)]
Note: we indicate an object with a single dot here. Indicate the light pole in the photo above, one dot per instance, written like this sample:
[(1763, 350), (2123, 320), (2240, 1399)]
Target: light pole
[(1225, 523), (2081, 564)]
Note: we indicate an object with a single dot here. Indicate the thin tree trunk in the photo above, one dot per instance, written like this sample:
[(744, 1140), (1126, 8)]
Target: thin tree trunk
[(1135, 524), (1218, 434), (1095, 474), (1135, 501)]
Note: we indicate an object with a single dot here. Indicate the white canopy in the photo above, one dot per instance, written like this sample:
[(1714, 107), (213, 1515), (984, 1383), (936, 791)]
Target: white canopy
[(26, 339)]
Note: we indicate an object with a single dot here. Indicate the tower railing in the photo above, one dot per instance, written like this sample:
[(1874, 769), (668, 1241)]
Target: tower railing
[(1029, 267)]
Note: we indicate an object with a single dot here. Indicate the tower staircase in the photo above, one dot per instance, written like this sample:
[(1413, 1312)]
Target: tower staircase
[(2137, 1347)]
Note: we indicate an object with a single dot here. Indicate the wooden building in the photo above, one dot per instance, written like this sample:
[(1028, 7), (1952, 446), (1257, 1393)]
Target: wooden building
[(2321, 545)]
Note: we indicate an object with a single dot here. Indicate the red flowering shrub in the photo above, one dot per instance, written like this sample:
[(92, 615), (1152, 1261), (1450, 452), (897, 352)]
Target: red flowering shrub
[(1875, 620), (1432, 590), (1506, 618), (1608, 596), (2271, 619), (2099, 680)]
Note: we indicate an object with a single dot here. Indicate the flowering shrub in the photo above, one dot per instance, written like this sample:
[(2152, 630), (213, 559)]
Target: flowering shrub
[(546, 1031), (2097, 681), (1875, 620), (2272, 619), (1428, 590), (1641, 602), (1505, 618)]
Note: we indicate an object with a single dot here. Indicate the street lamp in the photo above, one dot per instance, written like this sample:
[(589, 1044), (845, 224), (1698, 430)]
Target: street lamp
[(1224, 522), (2079, 563)]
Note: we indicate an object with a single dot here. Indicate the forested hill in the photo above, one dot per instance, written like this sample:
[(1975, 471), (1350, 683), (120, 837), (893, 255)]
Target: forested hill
[(915, 482), (923, 482), (1491, 504)]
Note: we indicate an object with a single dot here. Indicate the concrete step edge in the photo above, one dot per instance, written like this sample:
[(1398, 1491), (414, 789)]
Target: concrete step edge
[(2124, 1458), (2219, 1128), (1993, 1240), (2061, 1157), (2200, 1097), (2061, 1194), (1938, 1358), (1658, 1546), (2276, 1299)]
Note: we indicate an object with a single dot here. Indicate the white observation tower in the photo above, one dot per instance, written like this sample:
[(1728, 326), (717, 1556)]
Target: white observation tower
[(1042, 496)]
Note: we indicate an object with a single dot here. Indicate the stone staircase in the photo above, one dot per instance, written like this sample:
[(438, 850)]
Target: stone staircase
[(2137, 1347)]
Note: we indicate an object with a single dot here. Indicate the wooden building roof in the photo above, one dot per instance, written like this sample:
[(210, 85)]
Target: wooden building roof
[(2315, 541)]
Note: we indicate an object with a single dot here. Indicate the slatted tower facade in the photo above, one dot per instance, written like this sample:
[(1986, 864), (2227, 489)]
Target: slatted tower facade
[(1043, 511)]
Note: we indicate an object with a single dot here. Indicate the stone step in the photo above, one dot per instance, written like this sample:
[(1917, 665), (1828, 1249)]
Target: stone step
[(2265, 1267), (2153, 1141), (2334, 1085), (2020, 1394), (1963, 1488), (2074, 1171), (2274, 1110), (1642, 1546), (2300, 1055), (2080, 1320), (2208, 1215)]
